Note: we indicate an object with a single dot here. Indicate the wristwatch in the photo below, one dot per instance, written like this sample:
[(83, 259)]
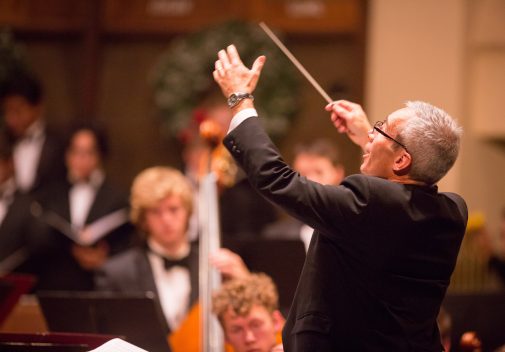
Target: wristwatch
[(237, 97)]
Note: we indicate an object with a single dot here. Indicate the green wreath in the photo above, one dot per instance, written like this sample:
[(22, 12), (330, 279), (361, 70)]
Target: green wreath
[(12, 56), (184, 73)]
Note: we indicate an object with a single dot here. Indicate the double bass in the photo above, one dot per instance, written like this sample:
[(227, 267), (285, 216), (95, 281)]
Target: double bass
[(201, 331)]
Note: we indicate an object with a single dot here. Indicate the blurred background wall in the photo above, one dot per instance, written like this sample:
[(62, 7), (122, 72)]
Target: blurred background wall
[(94, 58), (452, 54)]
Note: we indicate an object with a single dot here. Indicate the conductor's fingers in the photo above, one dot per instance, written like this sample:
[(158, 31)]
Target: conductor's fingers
[(223, 57), (340, 126), (219, 68), (347, 105), (258, 66), (345, 113), (234, 56)]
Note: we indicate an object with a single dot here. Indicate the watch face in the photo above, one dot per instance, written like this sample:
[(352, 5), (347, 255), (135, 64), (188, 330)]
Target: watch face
[(235, 98), (232, 100)]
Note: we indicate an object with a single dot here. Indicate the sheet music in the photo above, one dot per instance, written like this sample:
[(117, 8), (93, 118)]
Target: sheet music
[(118, 345), (54, 220), (88, 235), (97, 229)]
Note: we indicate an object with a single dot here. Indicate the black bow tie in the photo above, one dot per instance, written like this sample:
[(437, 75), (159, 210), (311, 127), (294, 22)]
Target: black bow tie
[(170, 263)]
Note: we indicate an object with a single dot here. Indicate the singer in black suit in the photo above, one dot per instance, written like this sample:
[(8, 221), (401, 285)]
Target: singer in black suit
[(16, 221), (385, 242), (67, 258), (38, 148)]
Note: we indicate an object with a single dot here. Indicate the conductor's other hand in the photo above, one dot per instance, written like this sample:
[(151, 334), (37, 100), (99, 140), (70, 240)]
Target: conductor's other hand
[(232, 75), (348, 117)]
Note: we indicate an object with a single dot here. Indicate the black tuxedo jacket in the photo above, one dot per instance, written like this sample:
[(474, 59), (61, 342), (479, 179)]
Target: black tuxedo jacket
[(130, 272), (57, 268), (51, 168), (16, 225), (107, 200), (380, 259)]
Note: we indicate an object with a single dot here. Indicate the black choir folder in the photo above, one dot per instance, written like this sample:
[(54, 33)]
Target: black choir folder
[(91, 233), (134, 316)]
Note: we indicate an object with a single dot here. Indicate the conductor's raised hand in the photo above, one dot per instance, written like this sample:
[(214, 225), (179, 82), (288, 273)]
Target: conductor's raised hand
[(232, 75), (348, 117)]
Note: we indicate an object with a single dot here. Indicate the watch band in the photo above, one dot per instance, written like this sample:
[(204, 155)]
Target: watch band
[(237, 97)]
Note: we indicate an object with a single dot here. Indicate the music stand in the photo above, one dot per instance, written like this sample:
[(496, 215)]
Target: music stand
[(12, 287), (51, 342), (134, 316)]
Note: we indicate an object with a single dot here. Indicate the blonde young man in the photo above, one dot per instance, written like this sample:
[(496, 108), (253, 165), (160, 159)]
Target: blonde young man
[(247, 309), (167, 263), (85, 198)]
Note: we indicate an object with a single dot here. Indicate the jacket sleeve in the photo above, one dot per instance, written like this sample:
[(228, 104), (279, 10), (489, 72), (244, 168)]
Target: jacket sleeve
[(329, 209)]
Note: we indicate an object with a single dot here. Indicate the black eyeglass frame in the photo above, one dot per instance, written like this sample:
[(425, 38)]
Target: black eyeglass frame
[(377, 127)]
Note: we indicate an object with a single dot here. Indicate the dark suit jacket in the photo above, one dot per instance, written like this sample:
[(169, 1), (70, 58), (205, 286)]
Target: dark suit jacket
[(130, 272), (51, 165), (380, 259), (51, 168), (16, 225), (57, 268)]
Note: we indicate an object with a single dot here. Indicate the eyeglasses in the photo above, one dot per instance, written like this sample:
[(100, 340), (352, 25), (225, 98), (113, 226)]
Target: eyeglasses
[(377, 127)]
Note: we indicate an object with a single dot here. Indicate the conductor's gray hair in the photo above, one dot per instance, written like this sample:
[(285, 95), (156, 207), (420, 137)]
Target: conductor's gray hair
[(432, 137)]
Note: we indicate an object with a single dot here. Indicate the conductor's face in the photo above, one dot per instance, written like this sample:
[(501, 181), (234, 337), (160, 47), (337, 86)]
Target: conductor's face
[(382, 153), (166, 223)]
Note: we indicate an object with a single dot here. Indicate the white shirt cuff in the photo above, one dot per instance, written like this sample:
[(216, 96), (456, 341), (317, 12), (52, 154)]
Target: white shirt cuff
[(240, 117)]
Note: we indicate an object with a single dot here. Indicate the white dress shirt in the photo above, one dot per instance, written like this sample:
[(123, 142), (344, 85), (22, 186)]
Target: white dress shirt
[(81, 197), (306, 235), (173, 285), (26, 155), (240, 117)]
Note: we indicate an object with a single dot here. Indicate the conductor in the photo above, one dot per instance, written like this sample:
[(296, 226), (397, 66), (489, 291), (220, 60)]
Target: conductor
[(385, 241)]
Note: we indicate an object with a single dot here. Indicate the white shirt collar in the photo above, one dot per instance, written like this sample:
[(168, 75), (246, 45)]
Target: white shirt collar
[(35, 130), (155, 247), (96, 179)]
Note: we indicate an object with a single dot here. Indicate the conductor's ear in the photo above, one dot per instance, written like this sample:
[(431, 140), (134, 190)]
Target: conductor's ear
[(402, 163)]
